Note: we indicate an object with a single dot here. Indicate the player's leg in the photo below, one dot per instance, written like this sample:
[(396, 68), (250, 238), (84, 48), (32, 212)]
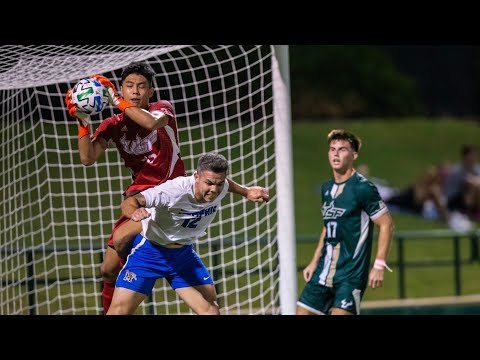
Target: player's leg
[(137, 278), (347, 299), (304, 311), (338, 311), (201, 299), (315, 299), (110, 267), (125, 301), (123, 237), (191, 281)]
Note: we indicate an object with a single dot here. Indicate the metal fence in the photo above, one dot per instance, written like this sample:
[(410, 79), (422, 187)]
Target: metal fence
[(402, 263)]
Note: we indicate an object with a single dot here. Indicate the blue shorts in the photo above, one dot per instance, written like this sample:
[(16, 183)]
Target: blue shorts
[(147, 262)]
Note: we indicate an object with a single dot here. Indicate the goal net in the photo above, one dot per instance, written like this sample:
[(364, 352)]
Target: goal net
[(57, 214)]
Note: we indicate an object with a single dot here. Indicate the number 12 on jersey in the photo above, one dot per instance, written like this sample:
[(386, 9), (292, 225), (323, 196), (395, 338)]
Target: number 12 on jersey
[(191, 223)]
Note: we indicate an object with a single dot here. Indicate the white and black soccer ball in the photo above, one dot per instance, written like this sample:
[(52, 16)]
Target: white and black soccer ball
[(90, 96)]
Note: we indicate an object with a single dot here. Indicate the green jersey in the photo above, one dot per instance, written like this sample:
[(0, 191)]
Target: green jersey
[(348, 209)]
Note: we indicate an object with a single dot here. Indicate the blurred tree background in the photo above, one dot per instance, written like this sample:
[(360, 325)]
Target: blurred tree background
[(352, 81)]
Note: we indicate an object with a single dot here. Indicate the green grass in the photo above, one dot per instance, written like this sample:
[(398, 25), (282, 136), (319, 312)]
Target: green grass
[(52, 251), (397, 150)]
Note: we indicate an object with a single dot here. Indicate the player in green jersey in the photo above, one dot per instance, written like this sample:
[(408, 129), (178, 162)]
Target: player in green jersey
[(338, 273)]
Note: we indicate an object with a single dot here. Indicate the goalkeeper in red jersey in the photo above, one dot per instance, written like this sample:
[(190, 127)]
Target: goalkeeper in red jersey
[(146, 138)]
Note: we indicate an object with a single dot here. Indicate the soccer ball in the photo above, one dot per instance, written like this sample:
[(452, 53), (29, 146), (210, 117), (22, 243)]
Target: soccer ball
[(90, 96)]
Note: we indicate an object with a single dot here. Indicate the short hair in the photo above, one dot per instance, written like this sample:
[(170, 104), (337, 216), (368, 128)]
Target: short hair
[(213, 161), (467, 149), (141, 68), (340, 134)]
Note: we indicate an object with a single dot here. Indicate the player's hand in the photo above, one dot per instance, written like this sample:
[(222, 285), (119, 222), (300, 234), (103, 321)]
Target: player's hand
[(308, 271), (140, 214), (257, 194), (375, 278), (82, 118), (113, 96)]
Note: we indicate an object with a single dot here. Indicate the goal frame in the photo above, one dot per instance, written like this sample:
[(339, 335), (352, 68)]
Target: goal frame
[(43, 249)]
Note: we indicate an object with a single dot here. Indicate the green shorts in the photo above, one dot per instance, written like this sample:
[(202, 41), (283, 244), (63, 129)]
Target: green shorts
[(320, 299)]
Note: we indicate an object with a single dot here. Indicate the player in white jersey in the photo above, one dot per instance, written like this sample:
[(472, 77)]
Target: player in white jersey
[(168, 219)]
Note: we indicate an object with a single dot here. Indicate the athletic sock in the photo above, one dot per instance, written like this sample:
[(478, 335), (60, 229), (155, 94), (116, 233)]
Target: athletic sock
[(107, 294)]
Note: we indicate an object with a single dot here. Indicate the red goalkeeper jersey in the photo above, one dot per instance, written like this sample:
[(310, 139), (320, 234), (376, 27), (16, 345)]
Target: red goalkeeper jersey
[(152, 156)]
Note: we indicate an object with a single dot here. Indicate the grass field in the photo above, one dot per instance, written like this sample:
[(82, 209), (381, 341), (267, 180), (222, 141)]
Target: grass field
[(396, 150)]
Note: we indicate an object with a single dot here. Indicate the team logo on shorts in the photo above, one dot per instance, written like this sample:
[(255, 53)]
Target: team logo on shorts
[(346, 304), (129, 276)]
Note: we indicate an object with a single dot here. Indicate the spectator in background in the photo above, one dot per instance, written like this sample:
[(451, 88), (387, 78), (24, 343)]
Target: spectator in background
[(426, 197), (463, 183), (384, 189)]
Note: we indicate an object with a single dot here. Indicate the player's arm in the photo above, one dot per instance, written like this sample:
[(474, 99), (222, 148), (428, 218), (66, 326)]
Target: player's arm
[(252, 193), (385, 236), (148, 120), (133, 207), (89, 150), (310, 268)]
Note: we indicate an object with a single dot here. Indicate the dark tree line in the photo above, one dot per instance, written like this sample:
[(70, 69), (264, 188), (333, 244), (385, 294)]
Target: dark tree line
[(334, 81)]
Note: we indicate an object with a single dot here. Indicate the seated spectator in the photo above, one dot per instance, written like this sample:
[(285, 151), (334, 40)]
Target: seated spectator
[(426, 197), (384, 189), (463, 183)]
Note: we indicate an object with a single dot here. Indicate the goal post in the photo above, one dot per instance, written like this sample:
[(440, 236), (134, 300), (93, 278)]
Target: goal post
[(58, 214), (284, 174)]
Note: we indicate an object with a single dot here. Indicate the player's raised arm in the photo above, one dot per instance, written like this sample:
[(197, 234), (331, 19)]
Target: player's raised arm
[(89, 150), (131, 103)]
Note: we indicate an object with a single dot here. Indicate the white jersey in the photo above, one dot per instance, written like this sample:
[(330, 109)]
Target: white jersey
[(176, 215)]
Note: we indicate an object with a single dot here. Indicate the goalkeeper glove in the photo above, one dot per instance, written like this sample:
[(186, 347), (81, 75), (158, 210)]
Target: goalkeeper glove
[(82, 118), (114, 97)]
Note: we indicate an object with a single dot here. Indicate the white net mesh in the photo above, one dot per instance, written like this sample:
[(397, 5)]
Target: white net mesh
[(57, 214)]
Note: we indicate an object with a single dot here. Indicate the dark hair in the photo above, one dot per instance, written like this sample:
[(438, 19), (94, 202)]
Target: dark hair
[(467, 149), (213, 161), (141, 68), (340, 134)]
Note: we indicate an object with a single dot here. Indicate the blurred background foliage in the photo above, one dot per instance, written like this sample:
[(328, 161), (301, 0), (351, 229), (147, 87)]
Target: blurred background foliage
[(352, 81)]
